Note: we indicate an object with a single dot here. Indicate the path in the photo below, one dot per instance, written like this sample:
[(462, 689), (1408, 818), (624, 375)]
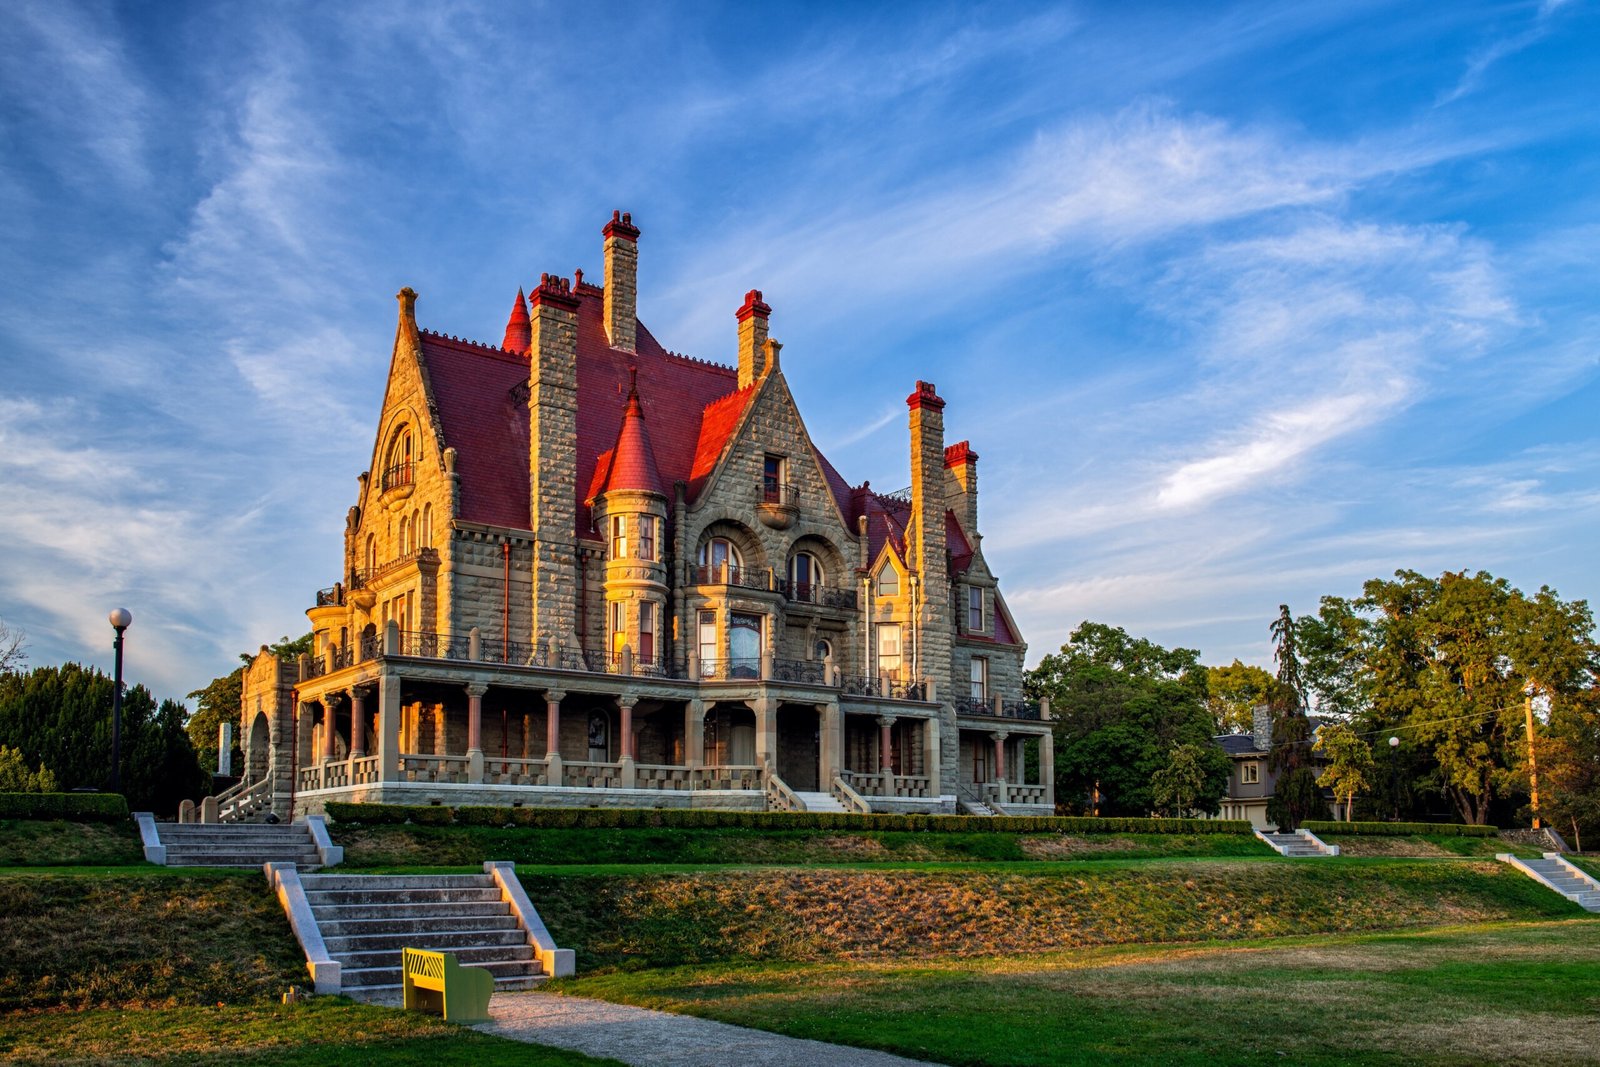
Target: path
[(650, 1038)]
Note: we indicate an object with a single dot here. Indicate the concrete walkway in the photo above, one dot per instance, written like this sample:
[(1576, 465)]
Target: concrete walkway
[(650, 1038)]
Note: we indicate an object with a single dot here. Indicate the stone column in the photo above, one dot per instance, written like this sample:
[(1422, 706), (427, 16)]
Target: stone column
[(441, 731), (1000, 759), (886, 753), (306, 755), (330, 736), (389, 727), (1047, 766), (832, 742), (931, 757), (475, 693), (766, 732), (552, 734), (358, 723), (625, 747), (694, 733)]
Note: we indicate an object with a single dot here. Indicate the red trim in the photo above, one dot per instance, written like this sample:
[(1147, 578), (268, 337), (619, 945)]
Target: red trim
[(621, 225), (959, 455), (925, 397), (555, 291), (753, 306)]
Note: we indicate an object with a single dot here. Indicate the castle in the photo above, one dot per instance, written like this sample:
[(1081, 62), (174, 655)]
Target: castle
[(584, 570)]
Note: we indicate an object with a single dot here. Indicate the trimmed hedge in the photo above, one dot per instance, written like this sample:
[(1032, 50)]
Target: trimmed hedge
[(1399, 829), (73, 807), (655, 818)]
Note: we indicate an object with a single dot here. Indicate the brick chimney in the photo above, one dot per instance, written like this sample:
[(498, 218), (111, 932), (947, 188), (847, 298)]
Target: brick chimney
[(961, 485), (926, 543), (552, 461), (752, 315), (622, 281)]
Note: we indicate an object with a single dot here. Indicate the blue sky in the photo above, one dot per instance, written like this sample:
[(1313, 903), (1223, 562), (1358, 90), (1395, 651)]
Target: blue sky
[(1241, 304)]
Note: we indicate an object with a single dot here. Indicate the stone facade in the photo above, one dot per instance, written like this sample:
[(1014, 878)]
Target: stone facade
[(581, 568)]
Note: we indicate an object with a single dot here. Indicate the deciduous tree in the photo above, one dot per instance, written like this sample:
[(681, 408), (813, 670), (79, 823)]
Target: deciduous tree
[(1349, 770), (1235, 691)]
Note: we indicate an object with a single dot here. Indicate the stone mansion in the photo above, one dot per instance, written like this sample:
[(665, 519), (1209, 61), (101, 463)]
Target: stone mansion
[(584, 570)]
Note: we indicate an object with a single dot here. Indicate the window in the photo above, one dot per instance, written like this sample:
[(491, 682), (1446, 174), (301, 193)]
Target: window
[(708, 644), (744, 645), (619, 626), (619, 538), (824, 650), (647, 632), (1249, 773), (888, 580), (772, 480), (647, 537), (974, 609), (426, 537), (372, 556), (719, 560), (397, 469), (889, 649), (805, 577), (980, 679), (405, 536)]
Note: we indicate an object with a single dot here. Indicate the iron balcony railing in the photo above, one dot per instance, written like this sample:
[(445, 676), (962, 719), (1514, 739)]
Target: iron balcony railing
[(399, 474), (779, 493), (728, 574), (824, 596), (803, 671), (1006, 709), (878, 686), (421, 555)]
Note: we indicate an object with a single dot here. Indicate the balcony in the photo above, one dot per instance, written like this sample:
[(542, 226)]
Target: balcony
[(822, 596), (728, 574), (779, 506), (421, 557), (884, 686), (999, 709), (396, 483)]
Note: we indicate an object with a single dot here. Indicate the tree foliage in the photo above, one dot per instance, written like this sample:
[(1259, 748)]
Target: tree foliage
[(221, 699), (1295, 795), (1235, 691), (13, 648), (1182, 787), (1122, 705), (60, 717), (15, 777), (1349, 770)]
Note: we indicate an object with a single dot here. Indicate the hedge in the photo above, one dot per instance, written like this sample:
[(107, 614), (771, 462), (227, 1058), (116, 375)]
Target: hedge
[(74, 807), (1399, 829), (684, 819)]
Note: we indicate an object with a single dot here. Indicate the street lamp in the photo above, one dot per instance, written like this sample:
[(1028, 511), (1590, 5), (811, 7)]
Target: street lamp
[(121, 619), (1394, 776)]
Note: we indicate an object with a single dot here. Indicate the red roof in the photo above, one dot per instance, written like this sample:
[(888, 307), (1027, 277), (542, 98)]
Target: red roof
[(632, 464)]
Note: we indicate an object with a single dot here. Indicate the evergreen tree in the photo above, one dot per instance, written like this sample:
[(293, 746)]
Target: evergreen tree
[(1295, 794)]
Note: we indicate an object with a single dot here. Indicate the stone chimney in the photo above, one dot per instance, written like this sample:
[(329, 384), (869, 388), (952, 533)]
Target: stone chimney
[(926, 541), (622, 281), (552, 458), (752, 316), (961, 485), (1261, 727)]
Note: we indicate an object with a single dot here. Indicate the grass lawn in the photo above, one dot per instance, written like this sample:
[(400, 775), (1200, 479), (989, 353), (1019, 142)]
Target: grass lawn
[(1441, 847), (1508, 993), (56, 842), (327, 1032)]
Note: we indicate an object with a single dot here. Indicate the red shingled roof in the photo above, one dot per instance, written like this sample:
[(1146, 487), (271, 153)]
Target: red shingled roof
[(632, 464)]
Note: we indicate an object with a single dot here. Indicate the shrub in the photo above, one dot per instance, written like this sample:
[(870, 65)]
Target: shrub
[(74, 807), (672, 818), (1399, 829)]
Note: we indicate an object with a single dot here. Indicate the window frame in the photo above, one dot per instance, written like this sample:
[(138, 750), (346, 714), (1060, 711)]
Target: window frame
[(975, 608), (978, 678), (893, 572), (619, 537)]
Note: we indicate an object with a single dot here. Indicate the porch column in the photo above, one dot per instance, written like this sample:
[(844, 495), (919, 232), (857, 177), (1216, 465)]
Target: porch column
[(1047, 766), (552, 735), (305, 752), (832, 743), (694, 732), (389, 727), (932, 756), (766, 732), (1000, 758), (358, 722), (441, 731), (886, 753), (330, 736), (475, 693), (625, 708)]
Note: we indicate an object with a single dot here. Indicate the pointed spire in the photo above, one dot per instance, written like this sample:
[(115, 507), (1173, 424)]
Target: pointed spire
[(633, 461), (518, 332)]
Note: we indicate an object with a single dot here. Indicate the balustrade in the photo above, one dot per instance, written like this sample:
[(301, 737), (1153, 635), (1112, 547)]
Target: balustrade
[(584, 775), (366, 770), (419, 768), (497, 771)]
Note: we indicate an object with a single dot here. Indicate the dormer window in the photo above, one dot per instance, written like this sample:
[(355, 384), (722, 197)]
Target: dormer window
[(773, 480), (888, 580), (398, 468), (974, 609)]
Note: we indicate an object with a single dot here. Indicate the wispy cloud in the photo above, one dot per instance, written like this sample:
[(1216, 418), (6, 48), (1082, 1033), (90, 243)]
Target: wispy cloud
[(1479, 62)]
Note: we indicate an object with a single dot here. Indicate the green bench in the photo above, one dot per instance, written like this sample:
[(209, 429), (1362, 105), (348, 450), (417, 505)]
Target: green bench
[(435, 982)]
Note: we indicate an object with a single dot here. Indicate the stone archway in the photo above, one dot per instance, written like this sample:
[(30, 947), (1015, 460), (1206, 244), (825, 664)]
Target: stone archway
[(258, 748)]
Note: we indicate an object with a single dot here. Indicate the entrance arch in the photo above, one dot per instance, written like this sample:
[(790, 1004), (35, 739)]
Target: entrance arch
[(800, 747)]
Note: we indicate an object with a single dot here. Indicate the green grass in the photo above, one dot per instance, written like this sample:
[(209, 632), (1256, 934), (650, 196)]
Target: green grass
[(1429, 846), (58, 843), (1513, 993), (325, 1032), (457, 846), (652, 918)]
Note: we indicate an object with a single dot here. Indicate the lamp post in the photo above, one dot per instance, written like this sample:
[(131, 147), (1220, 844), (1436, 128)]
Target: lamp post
[(121, 619), (1394, 777)]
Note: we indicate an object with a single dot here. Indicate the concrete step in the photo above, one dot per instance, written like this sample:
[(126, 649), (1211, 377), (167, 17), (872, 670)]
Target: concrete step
[(385, 910), (380, 976), (398, 881), (488, 954), (443, 919), (434, 939), (820, 801), (320, 898)]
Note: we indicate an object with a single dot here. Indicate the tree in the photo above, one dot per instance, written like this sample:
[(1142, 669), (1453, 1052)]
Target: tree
[(1569, 773), (1295, 795), (1121, 705), (13, 649), (1235, 692), (16, 778), (1181, 788), (217, 703), (1350, 768)]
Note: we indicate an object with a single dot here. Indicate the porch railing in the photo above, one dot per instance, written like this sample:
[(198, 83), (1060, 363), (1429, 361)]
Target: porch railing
[(419, 768), (877, 784), (780, 797), (366, 770), (585, 775), (497, 771)]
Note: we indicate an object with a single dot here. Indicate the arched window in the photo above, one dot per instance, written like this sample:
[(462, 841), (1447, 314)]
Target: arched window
[(824, 650), (719, 560), (888, 580), (397, 468), (405, 536), (426, 536), (372, 556), (805, 577)]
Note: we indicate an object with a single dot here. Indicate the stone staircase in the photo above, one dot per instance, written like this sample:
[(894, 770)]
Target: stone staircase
[(973, 806), (1299, 845), (821, 802), (1561, 876), (365, 920), (238, 845)]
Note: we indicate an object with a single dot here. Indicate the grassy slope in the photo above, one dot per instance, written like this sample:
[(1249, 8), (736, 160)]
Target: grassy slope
[(1519, 994), (654, 919), (1442, 847), (457, 846), (34, 842)]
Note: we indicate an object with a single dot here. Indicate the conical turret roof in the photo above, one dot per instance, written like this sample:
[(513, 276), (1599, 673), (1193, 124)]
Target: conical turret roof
[(519, 333), (633, 461)]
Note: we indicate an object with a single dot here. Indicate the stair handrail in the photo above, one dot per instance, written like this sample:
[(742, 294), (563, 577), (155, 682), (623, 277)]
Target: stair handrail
[(1566, 865), (556, 962), (231, 808), (847, 796), (291, 893), (779, 795)]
